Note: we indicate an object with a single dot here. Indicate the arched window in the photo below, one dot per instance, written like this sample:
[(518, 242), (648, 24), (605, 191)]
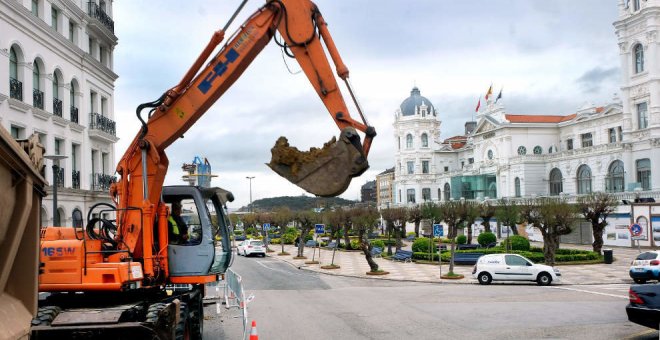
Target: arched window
[(37, 94), (556, 186), (77, 218), (409, 141), (517, 185), (56, 87), (584, 180), (15, 86), (490, 154), (639, 58), (425, 140), (398, 144), (615, 179), (35, 76), (538, 150), (522, 150), (447, 192)]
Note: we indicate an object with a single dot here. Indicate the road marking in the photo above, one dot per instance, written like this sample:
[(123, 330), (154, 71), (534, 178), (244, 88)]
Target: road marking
[(278, 270), (592, 292)]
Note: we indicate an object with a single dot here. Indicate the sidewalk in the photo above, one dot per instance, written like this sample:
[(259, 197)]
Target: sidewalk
[(354, 264)]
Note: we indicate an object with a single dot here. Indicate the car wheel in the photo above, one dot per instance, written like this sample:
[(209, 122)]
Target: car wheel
[(485, 278), (544, 279), (640, 281), (245, 253)]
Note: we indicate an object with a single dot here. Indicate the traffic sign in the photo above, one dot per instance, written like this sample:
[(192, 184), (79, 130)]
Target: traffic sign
[(266, 226), (320, 228), (438, 230), (636, 229)]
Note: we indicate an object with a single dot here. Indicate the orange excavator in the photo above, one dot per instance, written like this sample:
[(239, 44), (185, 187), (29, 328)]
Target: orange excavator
[(124, 274)]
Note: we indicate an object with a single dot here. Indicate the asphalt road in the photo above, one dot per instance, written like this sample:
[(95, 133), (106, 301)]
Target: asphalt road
[(296, 304)]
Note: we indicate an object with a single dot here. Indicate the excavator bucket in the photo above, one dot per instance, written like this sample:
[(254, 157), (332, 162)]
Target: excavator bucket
[(323, 172)]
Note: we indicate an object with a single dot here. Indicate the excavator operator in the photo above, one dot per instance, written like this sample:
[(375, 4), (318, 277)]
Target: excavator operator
[(177, 227)]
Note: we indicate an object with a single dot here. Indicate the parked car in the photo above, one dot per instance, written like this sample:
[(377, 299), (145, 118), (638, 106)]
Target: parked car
[(513, 267), (250, 247), (644, 306), (646, 266)]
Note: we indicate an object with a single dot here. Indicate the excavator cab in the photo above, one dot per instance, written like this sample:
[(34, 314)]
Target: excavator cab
[(202, 246)]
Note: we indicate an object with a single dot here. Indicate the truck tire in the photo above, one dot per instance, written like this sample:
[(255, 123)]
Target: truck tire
[(152, 312), (46, 315), (182, 331), (196, 317)]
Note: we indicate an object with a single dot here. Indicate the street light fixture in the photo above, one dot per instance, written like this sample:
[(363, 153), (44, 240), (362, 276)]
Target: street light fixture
[(250, 179), (55, 159)]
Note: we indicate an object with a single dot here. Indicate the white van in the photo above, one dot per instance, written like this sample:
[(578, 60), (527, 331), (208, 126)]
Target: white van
[(513, 267)]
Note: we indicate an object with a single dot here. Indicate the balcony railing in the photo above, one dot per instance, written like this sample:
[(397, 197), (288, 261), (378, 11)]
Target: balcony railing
[(74, 114), (59, 177), (75, 179), (96, 12), (103, 123), (102, 182), (57, 107), (15, 89), (38, 99)]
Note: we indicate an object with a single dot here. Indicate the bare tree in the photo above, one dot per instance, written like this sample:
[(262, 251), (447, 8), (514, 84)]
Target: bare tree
[(453, 214), (508, 214), (364, 220), (595, 208), (307, 219), (415, 216), (553, 217), (281, 217), (471, 212), (486, 212)]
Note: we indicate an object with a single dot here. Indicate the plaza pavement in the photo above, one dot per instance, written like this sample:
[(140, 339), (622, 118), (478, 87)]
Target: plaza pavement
[(354, 264)]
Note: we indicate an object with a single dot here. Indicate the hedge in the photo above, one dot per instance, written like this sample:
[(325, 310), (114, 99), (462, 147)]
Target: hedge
[(562, 255)]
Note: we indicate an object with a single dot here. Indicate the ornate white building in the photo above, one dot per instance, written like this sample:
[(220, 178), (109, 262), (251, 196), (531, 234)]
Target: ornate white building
[(56, 66), (612, 148)]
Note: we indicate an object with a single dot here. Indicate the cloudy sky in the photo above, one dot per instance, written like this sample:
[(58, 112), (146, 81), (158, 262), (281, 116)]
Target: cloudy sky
[(550, 57)]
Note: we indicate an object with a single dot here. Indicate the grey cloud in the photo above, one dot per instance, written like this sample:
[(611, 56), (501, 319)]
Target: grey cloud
[(592, 80)]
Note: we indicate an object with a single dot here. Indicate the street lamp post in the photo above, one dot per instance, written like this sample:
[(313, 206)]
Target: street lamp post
[(55, 159), (250, 179)]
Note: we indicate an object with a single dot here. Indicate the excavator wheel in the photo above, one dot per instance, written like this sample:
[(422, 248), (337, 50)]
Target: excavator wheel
[(196, 305), (182, 331), (323, 172)]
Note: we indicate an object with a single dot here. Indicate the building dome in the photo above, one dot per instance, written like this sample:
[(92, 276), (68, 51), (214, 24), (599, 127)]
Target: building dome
[(411, 106)]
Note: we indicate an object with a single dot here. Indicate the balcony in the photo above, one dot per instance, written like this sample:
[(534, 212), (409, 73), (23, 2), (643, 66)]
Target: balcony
[(59, 177), (102, 128), (15, 89), (102, 182), (57, 107), (74, 114), (38, 99), (75, 179), (96, 12)]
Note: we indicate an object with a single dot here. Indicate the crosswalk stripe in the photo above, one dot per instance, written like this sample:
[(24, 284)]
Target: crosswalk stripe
[(592, 292)]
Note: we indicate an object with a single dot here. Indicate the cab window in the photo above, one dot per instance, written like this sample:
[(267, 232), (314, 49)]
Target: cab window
[(185, 214)]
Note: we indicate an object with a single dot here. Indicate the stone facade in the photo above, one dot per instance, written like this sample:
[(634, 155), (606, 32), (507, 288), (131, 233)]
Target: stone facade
[(56, 66)]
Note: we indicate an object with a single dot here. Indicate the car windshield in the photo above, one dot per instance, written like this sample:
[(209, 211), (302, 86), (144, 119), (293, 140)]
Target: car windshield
[(647, 256), (257, 243)]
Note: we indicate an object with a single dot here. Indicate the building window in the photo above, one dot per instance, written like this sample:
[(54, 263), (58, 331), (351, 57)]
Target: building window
[(425, 167), (619, 133), (587, 140), (644, 173), (471, 160), (17, 132), (556, 183), (58, 146), (611, 133), (584, 180), (636, 5), (447, 190), (538, 150), (54, 16), (399, 143), (35, 76), (446, 169), (426, 194), (638, 50), (410, 193), (642, 115), (490, 154), (522, 150), (439, 194), (409, 141), (411, 167), (517, 187), (569, 144), (425, 140), (614, 181), (35, 7), (399, 196)]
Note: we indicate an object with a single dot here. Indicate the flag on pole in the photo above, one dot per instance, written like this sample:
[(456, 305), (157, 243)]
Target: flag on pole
[(478, 106), (489, 92), (499, 96)]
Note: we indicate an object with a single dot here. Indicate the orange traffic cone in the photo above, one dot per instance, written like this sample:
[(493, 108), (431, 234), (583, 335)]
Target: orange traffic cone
[(253, 332)]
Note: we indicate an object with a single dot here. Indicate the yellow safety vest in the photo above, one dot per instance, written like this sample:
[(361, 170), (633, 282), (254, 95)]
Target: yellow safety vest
[(175, 227)]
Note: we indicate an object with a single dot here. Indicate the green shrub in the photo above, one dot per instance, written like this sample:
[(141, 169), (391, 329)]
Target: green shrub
[(288, 238), (355, 244), (378, 243), (461, 239), (421, 245), (517, 242), (445, 240), (251, 231), (275, 241), (238, 232), (486, 238), (425, 256), (291, 230)]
